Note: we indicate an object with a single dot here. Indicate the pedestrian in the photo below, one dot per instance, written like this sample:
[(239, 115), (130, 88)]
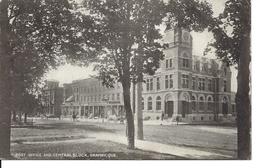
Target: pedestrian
[(177, 119), (73, 117), (162, 117)]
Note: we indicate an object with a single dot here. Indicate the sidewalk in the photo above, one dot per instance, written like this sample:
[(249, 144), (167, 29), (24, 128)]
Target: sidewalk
[(186, 152), (149, 122)]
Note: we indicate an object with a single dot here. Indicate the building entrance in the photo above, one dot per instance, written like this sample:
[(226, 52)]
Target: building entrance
[(169, 108), (225, 108), (185, 108)]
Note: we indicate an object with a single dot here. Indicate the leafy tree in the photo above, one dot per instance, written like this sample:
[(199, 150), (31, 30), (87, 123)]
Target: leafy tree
[(192, 15), (34, 36), (231, 31), (125, 36)]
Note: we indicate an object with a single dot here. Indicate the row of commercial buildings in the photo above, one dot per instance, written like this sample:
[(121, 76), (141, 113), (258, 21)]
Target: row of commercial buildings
[(194, 88)]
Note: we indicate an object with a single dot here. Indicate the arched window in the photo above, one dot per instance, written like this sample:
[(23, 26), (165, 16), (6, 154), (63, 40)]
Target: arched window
[(210, 104), (193, 103), (201, 103), (158, 103), (150, 103)]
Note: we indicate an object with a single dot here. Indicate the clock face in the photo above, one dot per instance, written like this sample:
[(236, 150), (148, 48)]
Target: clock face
[(186, 36)]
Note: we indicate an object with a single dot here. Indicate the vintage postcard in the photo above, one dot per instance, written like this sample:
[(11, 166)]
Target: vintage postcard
[(125, 80)]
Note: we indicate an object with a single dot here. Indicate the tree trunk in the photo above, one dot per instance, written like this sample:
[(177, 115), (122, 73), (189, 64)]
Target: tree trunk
[(129, 115), (14, 115), (134, 100), (25, 117), (139, 111), (243, 101), (5, 79), (20, 116)]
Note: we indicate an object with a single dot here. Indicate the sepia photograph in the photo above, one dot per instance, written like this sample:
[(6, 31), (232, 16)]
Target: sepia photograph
[(125, 80)]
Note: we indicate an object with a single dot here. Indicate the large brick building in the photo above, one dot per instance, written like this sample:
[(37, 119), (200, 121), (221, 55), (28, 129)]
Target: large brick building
[(191, 87), (91, 99), (52, 98), (194, 88)]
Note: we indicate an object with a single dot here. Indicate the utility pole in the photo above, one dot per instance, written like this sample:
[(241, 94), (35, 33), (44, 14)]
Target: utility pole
[(139, 111)]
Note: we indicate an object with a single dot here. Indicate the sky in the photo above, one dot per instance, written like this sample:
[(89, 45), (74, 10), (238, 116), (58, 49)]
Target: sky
[(67, 73)]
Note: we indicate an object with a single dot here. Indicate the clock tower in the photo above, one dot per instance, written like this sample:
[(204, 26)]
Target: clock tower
[(180, 47)]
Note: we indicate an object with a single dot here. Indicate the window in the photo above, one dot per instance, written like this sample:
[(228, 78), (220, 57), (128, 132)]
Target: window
[(169, 63), (201, 84), (210, 104), (201, 104), (225, 85), (150, 103), (149, 84), (158, 103), (166, 82), (185, 63), (158, 83), (171, 81), (210, 88), (193, 103), (142, 103), (193, 83), (197, 66), (118, 96), (113, 97), (185, 81), (205, 67)]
